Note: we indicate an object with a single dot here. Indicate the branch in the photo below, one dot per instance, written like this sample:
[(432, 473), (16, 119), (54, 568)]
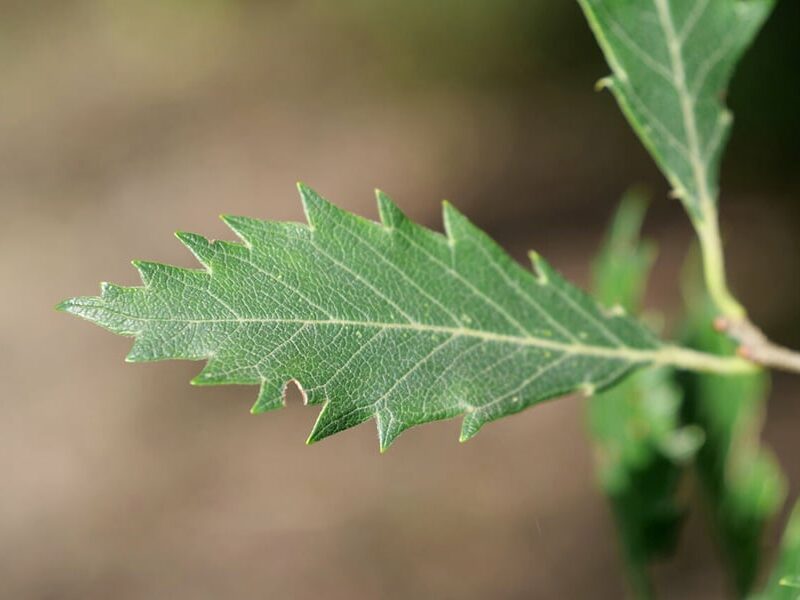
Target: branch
[(756, 347)]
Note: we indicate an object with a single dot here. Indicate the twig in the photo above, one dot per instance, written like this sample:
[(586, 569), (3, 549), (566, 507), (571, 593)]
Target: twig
[(756, 347)]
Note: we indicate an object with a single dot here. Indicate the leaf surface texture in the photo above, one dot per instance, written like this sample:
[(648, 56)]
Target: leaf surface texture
[(388, 320)]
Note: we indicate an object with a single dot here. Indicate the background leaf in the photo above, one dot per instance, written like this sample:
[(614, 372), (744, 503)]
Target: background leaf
[(742, 481), (641, 445), (784, 584), (388, 321), (672, 61)]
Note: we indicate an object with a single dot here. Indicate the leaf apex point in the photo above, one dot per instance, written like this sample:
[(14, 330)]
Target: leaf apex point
[(64, 305)]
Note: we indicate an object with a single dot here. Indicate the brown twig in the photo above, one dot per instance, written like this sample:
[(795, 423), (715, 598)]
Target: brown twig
[(756, 347)]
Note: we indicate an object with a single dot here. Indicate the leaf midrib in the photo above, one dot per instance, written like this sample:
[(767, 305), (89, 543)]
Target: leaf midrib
[(622, 352), (675, 42)]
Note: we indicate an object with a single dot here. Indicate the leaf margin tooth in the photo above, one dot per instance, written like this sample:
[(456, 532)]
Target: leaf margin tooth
[(147, 269), (201, 247), (328, 424), (389, 429), (391, 216)]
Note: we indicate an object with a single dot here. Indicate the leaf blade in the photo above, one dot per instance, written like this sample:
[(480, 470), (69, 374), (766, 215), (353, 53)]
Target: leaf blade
[(671, 62), (374, 320)]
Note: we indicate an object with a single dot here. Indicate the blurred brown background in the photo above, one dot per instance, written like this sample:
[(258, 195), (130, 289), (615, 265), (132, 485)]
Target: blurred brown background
[(121, 122)]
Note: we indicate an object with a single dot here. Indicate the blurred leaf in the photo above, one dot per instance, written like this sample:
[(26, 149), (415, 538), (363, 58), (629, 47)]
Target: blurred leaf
[(672, 61), (741, 479), (388, 321), (785, 580), (640, 443), (623, 265)]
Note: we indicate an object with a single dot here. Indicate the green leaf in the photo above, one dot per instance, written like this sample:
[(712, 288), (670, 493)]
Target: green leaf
[(623, 265), (374, 320), (640, 444), (742, 480), (672, 61), (784, 584)]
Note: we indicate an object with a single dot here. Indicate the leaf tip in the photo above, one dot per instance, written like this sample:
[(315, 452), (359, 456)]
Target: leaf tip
[(65, 305)]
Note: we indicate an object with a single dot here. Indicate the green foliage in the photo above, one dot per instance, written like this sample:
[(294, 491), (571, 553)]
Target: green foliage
[(672, 61), (389, 320), (742, 481), (784, 584), (640, 444), (395, 322)]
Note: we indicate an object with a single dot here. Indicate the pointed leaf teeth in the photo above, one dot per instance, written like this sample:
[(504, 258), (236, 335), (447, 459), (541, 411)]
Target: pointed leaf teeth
[(541, 268), (604, 83), (268, 400), (389, 429), (390, 214), (204, 377), (136, 355), (456, 224), (199, 246), (147, 270), (330, 422), (470, 426), (314, 205), (242, 227)]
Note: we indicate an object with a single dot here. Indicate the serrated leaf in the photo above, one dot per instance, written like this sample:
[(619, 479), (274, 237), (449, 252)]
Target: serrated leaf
[(784, 583), (640, 444), (388, 321), (742, 481), (672, 61)]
